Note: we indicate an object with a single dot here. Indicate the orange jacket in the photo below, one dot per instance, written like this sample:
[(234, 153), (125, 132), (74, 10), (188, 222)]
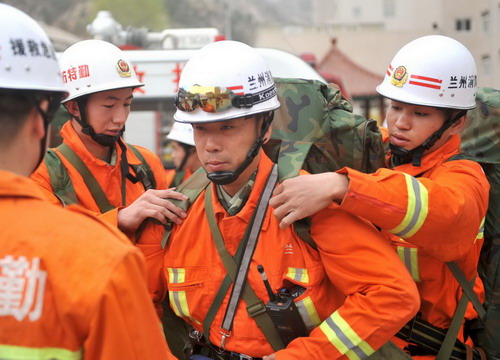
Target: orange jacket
[(109, 178), (71, 286), (357, 292), (431, 214)]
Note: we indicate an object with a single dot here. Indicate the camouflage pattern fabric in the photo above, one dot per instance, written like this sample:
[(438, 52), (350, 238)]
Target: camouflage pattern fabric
[(60, 181), (315, 130), (481, 142), (240, 198)]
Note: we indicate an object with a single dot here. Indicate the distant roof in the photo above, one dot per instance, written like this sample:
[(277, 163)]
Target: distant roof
[(358, 81), (59, 37)]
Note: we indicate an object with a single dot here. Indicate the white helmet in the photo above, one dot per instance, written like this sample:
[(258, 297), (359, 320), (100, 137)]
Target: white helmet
[(27, 58), (229, 80), (91, 66), (182, 132), (434, 71)]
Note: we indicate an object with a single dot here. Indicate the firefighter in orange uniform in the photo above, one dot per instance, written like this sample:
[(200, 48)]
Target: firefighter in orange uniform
[(94, 167), (71, 286), (352, 294), (430, 202), (183, 153)]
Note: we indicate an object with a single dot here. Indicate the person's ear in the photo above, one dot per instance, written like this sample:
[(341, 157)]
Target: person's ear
[(37, 121), (73, 108), (458, 125), (267, 135)]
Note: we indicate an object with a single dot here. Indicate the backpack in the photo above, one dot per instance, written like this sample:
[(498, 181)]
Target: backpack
[(481, 143), (314, 129), (62, 185)]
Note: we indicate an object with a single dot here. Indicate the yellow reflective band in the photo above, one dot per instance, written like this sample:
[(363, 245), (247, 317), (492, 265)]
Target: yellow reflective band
[(344, 338), (416, 211), (298, 274), (176, 275), (22, 353), (308, 313), (179, 304), (480, 233), (409, 256)]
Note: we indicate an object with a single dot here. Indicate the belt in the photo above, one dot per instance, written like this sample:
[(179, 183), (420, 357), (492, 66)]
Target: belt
[(426, 339), (200, 347), (224, 355), (237, 356)]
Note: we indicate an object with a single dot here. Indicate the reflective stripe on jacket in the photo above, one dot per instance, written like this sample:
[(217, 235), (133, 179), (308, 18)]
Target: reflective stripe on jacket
[(71, 286), (431, 214), (357, 292)]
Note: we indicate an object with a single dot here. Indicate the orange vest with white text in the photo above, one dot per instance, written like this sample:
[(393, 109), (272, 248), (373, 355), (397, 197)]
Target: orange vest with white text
[(71, 287)]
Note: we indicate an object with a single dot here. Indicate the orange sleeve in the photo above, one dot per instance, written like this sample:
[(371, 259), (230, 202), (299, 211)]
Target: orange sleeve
[(441, 213), (380, 295), (125, 325)]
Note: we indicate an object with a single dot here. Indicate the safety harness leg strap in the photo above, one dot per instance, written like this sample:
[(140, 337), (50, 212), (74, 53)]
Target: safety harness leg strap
[(451, 335), (436, 340), (467, 288)]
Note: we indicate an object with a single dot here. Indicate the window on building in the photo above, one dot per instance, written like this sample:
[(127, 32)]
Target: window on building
[(463, 24), (485, 17), (389, 8), (486, 64)]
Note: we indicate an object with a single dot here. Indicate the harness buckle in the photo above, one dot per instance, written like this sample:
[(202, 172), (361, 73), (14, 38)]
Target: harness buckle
[(238, 356), (225, 334)]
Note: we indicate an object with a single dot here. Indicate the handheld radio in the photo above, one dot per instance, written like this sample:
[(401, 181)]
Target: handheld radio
[(283, 312)]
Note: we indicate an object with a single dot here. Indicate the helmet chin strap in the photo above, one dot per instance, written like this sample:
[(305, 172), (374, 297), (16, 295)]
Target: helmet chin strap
[(227, 177), (47, 116), (402, 156), (101, 139)]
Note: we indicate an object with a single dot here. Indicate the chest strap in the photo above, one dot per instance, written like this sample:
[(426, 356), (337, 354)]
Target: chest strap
[(89, 179), (237, 270)]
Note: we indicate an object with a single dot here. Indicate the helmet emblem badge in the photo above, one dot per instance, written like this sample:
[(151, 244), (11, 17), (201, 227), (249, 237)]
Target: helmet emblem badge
[(123, 68), (399, 76)]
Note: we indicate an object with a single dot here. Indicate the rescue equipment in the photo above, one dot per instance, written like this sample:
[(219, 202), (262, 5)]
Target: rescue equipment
[(63, 187)]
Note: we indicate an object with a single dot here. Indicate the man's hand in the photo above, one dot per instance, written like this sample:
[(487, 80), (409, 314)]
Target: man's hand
[(303, 196), (151, 204), (269, 357)]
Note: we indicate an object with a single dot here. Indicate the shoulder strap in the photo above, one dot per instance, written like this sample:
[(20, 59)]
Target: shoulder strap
[(143, 171), (302, 228), (192, 188), (89, 179), (60, 181)]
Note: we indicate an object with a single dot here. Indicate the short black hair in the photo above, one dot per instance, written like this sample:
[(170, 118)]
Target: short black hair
[(15, 106)]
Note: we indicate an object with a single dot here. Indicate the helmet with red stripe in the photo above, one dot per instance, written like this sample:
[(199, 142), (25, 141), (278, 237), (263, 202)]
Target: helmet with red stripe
[(434, 71)]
